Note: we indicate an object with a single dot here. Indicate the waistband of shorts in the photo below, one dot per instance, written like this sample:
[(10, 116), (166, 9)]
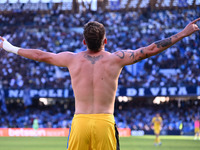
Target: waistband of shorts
[(105, 117)]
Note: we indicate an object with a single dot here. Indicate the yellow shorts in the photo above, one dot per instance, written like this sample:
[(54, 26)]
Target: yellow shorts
[(93, 132), (156, 131), (196, 130)]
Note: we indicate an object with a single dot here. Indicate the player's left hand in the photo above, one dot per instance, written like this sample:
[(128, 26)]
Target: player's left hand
[(191, 28)]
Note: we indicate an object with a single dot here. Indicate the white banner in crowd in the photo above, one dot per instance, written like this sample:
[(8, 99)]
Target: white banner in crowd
[(131, 92)]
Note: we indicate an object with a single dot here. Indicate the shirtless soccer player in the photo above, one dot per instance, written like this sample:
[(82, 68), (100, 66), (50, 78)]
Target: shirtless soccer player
[(94, 75)]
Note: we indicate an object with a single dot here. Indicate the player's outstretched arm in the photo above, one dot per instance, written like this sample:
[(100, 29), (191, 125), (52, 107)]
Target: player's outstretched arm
[(62, 59), (128, 57)]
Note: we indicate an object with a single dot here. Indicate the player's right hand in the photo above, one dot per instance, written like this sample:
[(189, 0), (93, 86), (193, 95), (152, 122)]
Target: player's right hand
[(8, 47), (1, 44)]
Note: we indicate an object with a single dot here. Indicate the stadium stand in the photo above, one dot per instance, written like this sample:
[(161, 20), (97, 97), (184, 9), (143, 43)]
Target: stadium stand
[(58, 31)]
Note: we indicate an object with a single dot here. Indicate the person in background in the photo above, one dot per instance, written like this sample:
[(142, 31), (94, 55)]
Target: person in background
[(35, 125), (157, 122), (196, 128)]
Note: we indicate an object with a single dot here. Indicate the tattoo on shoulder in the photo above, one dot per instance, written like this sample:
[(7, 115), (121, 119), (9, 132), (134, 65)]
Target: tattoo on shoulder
[(93, 59), (120, 54), (163, 43)]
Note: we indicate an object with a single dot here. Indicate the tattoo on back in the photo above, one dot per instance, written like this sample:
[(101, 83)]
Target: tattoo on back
[(93, 59), (163, 43)]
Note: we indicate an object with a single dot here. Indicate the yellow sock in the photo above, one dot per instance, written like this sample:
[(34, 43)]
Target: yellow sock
[(158, 140)]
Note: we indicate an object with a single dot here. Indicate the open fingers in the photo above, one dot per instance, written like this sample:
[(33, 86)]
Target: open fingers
[(194, 21), (1, 38)]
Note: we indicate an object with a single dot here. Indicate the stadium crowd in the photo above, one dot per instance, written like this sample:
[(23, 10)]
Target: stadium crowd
[(56, 31), (127, 115)]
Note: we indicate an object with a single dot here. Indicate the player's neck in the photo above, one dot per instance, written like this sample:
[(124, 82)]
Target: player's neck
[(95, 52)]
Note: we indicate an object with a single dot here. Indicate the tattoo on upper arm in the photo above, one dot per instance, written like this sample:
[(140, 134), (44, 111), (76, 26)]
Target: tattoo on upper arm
[(141, 57), (132, 54), (93, 59), (163, 43), (137, 60)]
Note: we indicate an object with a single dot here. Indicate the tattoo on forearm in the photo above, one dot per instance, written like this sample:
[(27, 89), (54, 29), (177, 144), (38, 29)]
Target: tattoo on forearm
[(163, 43), (175, 36), (93, 59)]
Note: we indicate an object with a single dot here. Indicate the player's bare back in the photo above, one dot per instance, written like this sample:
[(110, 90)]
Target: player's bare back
[(94, 74), (94, 81)]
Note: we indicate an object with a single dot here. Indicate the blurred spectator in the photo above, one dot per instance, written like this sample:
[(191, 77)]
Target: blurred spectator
[(127, 115)]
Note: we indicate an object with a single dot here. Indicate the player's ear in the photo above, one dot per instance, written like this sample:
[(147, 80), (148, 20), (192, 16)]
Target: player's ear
[(105, 41), (84, 42)]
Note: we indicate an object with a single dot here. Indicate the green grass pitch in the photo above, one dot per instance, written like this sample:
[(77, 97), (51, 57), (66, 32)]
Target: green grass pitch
[(126, 143)]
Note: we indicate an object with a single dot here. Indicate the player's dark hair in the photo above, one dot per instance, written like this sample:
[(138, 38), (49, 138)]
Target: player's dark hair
[(94, 33)]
